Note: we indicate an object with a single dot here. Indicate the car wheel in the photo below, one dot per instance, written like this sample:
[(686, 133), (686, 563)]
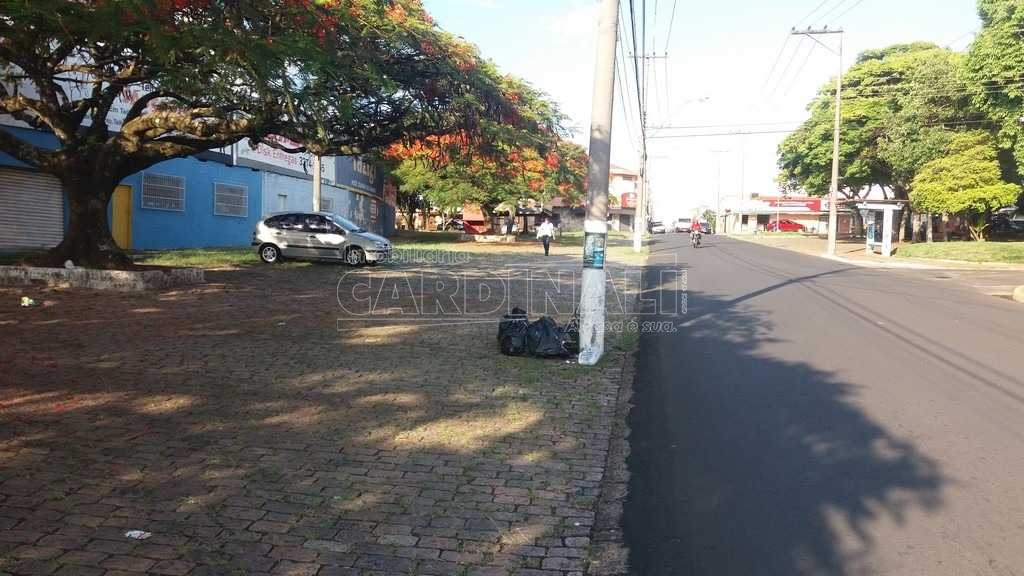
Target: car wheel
[(270, 254), (355, 256)]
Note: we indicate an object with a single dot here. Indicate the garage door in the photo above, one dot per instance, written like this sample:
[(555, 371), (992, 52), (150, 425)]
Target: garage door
[(31, 210)]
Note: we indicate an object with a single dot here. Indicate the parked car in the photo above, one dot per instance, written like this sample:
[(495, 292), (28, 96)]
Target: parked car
[(657, 227), (785, 226), (317, 236), (1008, 222), (455, 225), (682, 225), (705, 227)]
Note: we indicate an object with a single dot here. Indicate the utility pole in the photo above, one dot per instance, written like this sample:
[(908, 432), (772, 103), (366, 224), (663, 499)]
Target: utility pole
[(643, 197), (317, 183), (592, 297), (718, 194), (833, 211), (640, 226)]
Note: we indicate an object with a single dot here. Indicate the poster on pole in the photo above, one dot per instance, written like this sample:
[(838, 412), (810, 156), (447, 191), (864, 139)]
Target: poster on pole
[(594, 250)]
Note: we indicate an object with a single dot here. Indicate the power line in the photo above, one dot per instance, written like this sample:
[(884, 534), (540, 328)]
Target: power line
[(824, 17), (624, 56), (646, 67), (848, 10), (790, 131), (775, 64), (626, 108), (671, 24), (657, 98), (813, 12), (799, 70), (970, 32), (711, 134), (668, 94), (636, 66), (737, 125), (785, 71), (871, 93)]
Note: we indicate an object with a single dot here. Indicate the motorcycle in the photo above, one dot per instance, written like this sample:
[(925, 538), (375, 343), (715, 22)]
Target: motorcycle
[(695, 239)]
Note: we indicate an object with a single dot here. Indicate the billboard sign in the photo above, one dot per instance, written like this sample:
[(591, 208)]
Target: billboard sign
[(358, 174)]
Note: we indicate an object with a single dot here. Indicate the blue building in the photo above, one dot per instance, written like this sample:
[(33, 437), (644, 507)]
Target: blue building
[(213, 199)]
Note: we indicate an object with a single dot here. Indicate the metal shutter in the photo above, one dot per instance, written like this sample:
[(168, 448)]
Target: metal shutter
[(31, 210)]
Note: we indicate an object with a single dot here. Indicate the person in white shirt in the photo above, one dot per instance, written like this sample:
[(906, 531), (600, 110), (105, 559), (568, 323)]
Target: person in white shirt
[(544, 232)]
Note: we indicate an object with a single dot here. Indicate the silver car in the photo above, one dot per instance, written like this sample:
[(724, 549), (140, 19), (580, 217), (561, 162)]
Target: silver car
[(317, 236)]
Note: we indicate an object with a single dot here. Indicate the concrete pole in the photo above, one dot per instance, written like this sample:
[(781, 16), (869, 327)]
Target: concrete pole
[(317, 182), (640, 228), (592, 298), (833, 209)]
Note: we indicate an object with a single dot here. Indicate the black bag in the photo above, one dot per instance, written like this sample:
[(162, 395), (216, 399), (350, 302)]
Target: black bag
[(545, 339), (512, 333)]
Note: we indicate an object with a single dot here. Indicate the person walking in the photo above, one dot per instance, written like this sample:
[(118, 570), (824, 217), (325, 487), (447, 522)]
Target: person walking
[(544, 232)]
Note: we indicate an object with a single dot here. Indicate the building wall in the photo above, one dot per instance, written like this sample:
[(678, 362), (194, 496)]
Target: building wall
[(196, 226), (814, 223), (272, 185), (283, 193)]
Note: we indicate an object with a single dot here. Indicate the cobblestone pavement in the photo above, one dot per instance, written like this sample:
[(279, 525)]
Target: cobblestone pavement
[(254, 427)]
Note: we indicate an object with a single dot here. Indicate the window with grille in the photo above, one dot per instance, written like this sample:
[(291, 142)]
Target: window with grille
[(163, 192), (327, 204), (230, 200)]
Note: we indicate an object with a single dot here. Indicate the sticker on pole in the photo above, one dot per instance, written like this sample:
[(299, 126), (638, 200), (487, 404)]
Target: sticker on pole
[(593, 250)]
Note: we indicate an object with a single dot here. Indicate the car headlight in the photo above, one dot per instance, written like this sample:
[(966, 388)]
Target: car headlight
[(382, 245)]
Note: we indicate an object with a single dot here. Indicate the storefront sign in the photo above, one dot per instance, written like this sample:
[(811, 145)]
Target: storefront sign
[(278, 158)]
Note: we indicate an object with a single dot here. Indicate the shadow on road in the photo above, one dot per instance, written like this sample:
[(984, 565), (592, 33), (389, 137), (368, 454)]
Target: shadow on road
[(747, 464)]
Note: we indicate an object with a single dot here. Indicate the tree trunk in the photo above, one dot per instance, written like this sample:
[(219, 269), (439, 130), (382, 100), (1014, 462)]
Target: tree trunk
[(907, 224), (929, 228), (858, 223), (945, 227), (88, 241)]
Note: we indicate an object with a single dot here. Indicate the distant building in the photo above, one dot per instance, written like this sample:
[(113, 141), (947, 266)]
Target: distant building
[(623, 185), (755, 214)]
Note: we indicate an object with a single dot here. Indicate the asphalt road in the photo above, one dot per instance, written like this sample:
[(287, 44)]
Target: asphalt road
[(810, 417)]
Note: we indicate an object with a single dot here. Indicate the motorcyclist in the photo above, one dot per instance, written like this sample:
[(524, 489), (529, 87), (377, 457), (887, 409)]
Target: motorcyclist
[(695, 229)]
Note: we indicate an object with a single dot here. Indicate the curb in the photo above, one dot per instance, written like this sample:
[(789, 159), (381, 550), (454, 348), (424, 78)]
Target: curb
[(898, 264), (608, 554), (879, 265), (114, 280)]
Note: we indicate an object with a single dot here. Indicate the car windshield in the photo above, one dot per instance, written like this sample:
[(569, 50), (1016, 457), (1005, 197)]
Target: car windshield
[(346, 225)]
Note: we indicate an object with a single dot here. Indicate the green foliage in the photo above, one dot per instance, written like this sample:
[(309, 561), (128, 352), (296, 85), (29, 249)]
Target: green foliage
[(967, 180), (332, 76), (898, 105), (996, 65)]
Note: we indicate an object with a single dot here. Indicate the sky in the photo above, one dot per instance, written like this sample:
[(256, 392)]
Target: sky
[(725, 64)]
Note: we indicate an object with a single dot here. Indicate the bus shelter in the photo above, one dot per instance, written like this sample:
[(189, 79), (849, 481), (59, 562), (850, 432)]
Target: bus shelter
[(880, 219)]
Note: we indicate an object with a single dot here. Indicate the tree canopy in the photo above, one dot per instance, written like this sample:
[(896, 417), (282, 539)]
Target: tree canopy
[(995, 64), (966, 180), (334, 76), (896, 104), (502, 163), (919, 115)]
